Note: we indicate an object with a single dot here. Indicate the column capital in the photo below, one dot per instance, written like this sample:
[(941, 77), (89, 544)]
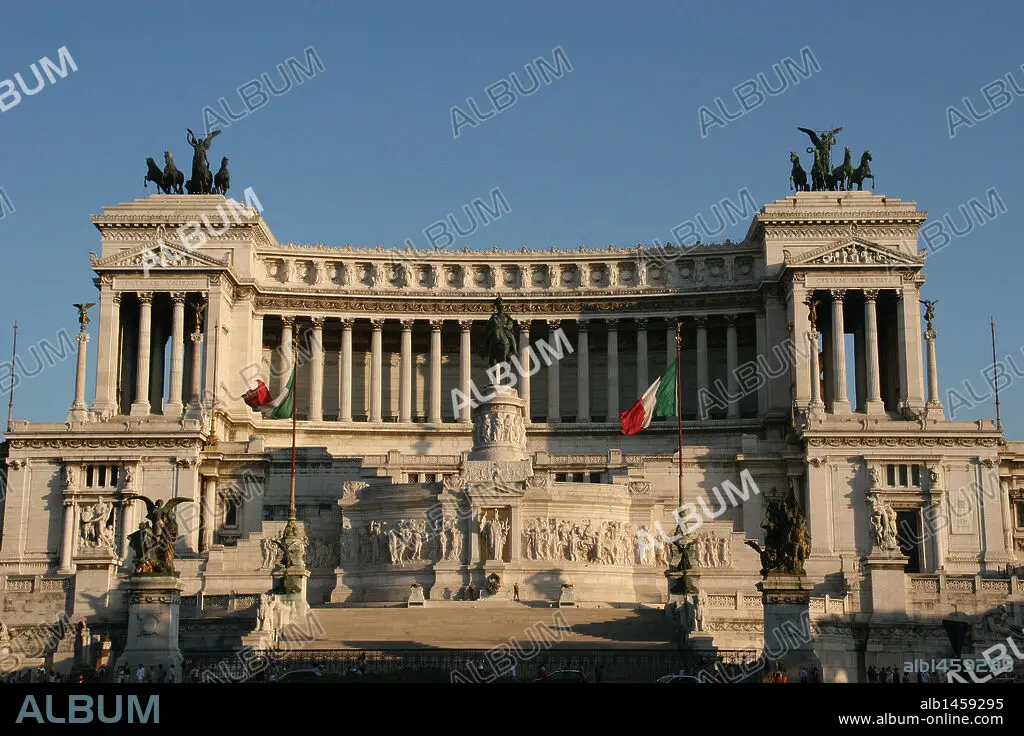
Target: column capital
[(929, 334), (436, 324), (347, 322), (377, 323), (701, 320), (554, 323), (197, 337), (117, 297), (145, 297), (465, 325), (524, 327), (318, 323), (288, 320), (178, 297), (837, 294), (406, 324), (82, 336), (641, 323), (583, 325), (613, 324), (870, 294), (730, 319)]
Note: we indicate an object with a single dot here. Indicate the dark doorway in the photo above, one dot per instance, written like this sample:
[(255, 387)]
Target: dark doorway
[(909, 525)]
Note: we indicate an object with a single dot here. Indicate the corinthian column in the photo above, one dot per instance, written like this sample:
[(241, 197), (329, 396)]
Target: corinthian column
[(465, 367), (67, 542), (316, 372), (524, 364), (345, 370), (874, 400), (174, 405), (613, 371), (816, 401), (731, 364), (405, 389), (702, 364), (140, 407), (934, 403), (840, 403), (583, 376), (434, 416), (209, 511), (79, 410), (554, 403), (376, 337)]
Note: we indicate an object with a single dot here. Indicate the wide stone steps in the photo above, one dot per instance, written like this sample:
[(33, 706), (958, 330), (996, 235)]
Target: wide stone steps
[(485, 624)]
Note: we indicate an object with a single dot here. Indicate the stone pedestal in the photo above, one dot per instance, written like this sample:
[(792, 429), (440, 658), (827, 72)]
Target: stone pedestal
[(449, 578), (567, 598), (888, 583), (788, 641), (290, 588), (499, 433), (153, 603), (416, 597)]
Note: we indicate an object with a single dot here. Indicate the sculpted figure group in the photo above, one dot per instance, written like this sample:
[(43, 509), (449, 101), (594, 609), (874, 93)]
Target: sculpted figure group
[(97, 526), (499, 428), (883, 524), (382, 542), (604, 543)]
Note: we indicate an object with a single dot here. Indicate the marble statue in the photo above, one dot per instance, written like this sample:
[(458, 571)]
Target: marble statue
[(271, 553), (97, 525), (883, 524)]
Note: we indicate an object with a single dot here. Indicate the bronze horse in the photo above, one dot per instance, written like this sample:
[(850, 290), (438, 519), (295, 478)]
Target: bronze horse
[(153, 174), (861, 173), (222, 181), (798, 177), (173, 179), (843, 173)]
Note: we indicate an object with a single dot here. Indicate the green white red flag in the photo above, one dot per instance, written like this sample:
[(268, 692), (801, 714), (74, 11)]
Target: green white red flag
[(658, 401)]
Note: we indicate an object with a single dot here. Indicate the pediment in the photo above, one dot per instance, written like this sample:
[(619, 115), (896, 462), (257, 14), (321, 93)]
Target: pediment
[(162, 251), (853, 252)]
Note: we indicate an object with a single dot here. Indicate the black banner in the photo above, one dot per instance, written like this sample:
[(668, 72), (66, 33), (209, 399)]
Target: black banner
[(202, 707)]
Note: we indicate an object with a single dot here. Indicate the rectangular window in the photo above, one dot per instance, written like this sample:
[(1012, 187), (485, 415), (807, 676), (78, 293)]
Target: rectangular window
[(595, 477), (890, 475), (430, 478), (560, 477), (915, 475), (88, 476), (1020, 515), (231, 512), (103, 476), (579, 478), (414, 477), (903, 476)]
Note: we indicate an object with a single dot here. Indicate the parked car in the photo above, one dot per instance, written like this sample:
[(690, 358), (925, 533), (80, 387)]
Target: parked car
[(564, 676), (679, 678), (310, 675)]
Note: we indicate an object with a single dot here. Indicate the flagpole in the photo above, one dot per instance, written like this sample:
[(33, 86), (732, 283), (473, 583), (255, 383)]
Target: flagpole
[(291, 397), (679, 402), (999, 424), (14, 367)]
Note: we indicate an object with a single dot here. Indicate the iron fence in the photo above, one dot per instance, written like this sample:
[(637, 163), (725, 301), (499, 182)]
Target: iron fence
[(482, 665)]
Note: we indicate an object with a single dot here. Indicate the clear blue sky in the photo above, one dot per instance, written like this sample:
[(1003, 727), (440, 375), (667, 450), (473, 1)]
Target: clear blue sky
[(612, 152)]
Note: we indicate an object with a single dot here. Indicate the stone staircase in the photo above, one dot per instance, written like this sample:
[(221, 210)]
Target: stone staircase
[(488, 623)]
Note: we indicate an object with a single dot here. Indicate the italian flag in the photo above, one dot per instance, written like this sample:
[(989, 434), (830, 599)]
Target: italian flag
[(281, 406), (658, 401)]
